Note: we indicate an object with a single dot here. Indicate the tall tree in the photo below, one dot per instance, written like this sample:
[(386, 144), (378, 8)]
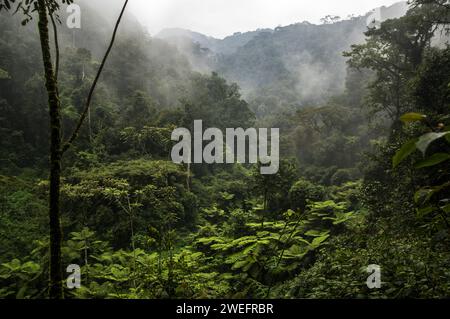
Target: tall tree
[(46, 9), (441, 10), (394, 52)]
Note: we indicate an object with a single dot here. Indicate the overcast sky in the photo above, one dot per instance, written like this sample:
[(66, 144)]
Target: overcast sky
[(220, 18)]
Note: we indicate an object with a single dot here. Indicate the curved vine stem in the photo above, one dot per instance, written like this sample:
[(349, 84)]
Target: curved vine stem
[(85, 112)]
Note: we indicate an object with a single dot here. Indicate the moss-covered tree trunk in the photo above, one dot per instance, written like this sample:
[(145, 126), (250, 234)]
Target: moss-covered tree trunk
[(56, 289)]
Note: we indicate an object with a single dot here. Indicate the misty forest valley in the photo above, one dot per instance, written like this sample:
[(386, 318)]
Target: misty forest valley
[(87, 179)]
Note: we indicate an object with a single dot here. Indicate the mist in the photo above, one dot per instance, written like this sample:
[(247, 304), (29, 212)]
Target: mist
[(221, 18)]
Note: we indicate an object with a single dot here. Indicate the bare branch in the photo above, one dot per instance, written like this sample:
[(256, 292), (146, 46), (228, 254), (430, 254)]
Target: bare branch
[(74, 135)]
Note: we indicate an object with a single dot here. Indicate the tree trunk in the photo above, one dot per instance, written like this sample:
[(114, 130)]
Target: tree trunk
[(188, 177), (86, 263), (56, 289), (265, 207)]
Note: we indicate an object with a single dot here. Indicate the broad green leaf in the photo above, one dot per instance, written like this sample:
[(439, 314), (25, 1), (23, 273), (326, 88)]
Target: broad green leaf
[(412, 117), (317, 233), (446, 208), (425, 140), (21, 293), (423, 195), (407, 149), (240, 264), (317, 242), (295, 252), (342, 217), (433, 160), (422, 212), (4, 74)]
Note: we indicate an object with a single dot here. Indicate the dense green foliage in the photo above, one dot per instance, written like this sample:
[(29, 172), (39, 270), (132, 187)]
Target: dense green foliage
[(364, 175)]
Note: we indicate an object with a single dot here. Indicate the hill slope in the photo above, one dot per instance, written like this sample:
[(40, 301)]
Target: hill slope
[(304, 59)]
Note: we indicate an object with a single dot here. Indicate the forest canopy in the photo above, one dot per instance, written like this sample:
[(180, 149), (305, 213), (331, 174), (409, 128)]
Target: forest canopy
[(363, 175)]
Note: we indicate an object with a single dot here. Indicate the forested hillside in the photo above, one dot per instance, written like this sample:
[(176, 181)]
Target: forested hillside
[(363, 178), (299, 64)]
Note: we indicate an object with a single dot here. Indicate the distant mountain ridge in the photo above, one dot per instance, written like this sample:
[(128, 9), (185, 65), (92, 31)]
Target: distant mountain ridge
[(304, 56), (227, 45), (230, 43)]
